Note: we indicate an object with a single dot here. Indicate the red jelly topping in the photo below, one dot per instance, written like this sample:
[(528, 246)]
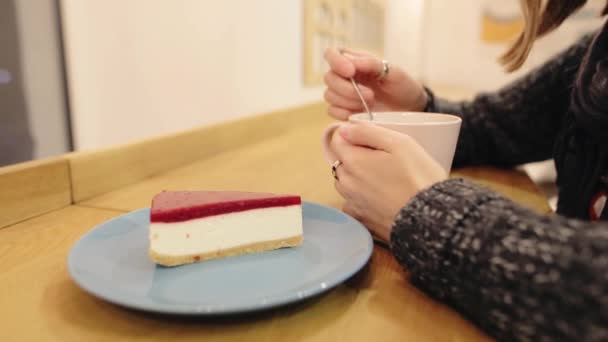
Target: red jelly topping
[(175, 206)]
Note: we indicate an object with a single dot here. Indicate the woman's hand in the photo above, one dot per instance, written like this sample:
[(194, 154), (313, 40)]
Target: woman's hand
[(381, 171), (395, 92)]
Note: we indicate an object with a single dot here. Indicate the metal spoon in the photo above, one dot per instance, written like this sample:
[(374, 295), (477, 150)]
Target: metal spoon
[(356, 86)]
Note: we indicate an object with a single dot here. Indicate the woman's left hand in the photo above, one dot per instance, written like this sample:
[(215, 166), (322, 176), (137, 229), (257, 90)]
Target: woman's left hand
[(381, 171)]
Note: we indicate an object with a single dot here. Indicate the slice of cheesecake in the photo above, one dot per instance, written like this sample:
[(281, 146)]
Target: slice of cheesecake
[(191, 226)]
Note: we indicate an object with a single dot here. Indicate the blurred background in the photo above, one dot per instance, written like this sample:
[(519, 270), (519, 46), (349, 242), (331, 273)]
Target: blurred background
[(89, 74)]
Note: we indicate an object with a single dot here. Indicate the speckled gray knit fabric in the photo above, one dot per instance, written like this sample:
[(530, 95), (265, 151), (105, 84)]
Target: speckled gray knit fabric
[(516, 274)]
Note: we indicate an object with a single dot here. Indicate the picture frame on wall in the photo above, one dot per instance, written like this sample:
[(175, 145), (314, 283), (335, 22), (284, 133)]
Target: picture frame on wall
[(355, 24)]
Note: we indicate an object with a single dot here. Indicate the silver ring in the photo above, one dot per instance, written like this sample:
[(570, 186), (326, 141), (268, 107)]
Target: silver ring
[(334, 169), (384, 72)]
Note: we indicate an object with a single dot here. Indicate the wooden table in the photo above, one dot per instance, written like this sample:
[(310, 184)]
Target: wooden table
[(47, 206)]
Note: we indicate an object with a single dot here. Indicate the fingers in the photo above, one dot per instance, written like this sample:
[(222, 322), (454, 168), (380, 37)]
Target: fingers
[(367, 65), (350, 63), (369, 135), (350, 210), (340, 101), (340, 94), (364, 63), (342, 182), (355, 159), (339, 185), (339, 113), (343, 98), (339, 63), (345, 189), (350, 52), (345, 88), (344, 151)]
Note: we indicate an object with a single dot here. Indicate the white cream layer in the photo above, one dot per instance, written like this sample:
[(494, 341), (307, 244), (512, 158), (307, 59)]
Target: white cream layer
[(212, 233)]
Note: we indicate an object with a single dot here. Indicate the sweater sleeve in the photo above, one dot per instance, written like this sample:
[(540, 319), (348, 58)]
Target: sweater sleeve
[(516, 274), (518, 123)]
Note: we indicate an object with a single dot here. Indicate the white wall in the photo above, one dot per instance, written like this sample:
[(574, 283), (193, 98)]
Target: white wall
[(268, 49), (145, 67), (139, 68), (404, 42)]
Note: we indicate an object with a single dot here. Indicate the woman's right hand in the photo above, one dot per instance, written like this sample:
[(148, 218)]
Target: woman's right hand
[(395, 92)]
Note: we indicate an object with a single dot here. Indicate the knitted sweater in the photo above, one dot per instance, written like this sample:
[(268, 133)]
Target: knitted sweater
[(517, 274)]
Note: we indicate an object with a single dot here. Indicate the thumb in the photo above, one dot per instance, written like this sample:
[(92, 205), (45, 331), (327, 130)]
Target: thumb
[(372, 67), (370, 135), (363, 63), (339, 63), (367, 64)]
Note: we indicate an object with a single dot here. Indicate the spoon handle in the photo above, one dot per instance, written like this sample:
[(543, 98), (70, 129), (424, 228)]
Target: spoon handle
[(356, 86)]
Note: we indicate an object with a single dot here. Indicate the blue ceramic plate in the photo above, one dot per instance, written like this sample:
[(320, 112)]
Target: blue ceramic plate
[(111, 262)]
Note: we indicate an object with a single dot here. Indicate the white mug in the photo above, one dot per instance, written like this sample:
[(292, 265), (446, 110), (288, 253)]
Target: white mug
[(436, 133)]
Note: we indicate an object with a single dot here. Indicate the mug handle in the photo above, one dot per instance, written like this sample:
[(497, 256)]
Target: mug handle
[(326, 140)]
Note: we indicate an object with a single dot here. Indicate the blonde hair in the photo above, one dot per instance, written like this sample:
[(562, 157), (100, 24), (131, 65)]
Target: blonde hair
[(538, 21)]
